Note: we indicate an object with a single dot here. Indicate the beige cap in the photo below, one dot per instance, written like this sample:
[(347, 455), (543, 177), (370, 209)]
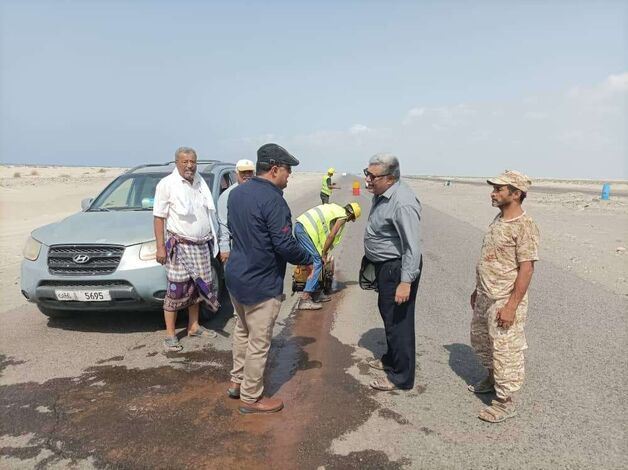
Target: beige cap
[(245, 165), (513, 178)]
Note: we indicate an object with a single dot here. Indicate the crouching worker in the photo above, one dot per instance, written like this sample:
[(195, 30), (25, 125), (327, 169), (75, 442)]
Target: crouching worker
[(184, 210), (319, 230)]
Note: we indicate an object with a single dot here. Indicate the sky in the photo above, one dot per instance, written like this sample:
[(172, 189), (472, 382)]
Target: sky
[(451, 88)]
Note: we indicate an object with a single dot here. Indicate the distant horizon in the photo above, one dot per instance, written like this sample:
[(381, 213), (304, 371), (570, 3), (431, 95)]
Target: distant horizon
[(297, 170)]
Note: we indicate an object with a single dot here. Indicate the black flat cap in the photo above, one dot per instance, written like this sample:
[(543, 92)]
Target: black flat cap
[(275, 155)]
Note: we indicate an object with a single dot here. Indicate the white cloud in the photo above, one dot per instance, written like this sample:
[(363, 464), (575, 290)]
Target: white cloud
[(413, 114), (613, 85), (358, 129), (617, 83)]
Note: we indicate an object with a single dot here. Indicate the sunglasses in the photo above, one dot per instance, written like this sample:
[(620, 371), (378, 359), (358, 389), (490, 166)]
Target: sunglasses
[(371, 176), (287, 167)]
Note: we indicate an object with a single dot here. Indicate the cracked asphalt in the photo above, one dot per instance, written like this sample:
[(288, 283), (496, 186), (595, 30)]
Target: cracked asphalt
[(98, 392)]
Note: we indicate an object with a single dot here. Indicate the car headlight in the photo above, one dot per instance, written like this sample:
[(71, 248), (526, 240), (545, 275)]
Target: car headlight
[(148, 251), (31, 249)]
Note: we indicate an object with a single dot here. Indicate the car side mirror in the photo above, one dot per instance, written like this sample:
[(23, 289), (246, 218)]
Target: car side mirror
[(85, 203)]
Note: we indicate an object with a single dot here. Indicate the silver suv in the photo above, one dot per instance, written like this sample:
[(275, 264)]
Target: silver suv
[(103, 258)]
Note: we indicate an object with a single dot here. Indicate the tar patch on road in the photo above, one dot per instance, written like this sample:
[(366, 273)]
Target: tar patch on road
[(6, 361), (365, 460), (180, 417)]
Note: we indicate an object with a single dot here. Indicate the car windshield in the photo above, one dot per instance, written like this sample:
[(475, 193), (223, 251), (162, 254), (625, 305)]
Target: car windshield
[(133, 192)]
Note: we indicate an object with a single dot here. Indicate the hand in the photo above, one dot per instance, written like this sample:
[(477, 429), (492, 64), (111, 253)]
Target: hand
[(402, 294), (474, 297), (224, 256), (506, 316), (161, 255)]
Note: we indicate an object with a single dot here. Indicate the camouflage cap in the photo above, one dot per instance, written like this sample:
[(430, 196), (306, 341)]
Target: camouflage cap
[(513, 178)]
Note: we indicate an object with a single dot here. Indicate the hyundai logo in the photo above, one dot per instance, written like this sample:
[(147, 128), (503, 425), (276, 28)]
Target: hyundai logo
[(80, 259)]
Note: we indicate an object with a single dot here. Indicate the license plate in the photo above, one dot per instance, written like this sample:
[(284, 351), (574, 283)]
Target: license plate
[(83, 295)]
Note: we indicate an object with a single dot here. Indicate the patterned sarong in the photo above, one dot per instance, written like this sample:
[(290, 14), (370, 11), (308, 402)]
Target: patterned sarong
[(189, 273)]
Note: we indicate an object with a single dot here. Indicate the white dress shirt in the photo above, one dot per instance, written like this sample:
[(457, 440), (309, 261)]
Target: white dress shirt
[(224, 234), (187, 207)]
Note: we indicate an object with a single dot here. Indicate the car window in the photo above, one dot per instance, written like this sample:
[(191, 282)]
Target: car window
[(129, 192), (137, 191), (225, 181), (209, 179), (232, 175), (121, 194)]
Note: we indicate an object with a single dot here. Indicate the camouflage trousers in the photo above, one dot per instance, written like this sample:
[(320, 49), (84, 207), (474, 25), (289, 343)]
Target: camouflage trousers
[(500, 349)]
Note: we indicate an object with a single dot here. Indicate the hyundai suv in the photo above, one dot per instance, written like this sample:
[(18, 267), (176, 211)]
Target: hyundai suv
[(103, 258)]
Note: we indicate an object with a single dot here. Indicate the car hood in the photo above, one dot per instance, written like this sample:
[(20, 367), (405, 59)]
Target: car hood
[(115, 228)]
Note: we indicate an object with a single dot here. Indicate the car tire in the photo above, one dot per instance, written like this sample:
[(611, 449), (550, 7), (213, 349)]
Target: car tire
[(54, 313)]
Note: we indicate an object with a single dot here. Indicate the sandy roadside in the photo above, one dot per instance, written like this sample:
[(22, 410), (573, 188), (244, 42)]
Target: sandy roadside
[(579, 232), (38, 196), (42, 195)]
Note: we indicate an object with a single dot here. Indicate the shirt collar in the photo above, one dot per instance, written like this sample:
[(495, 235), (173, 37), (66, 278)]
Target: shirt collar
[(390, 191), (265, 181), (178, 176), (511, 220)]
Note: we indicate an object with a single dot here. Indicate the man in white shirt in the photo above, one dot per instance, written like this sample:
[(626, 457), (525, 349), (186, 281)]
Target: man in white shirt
[(245, 170), (184, 211)]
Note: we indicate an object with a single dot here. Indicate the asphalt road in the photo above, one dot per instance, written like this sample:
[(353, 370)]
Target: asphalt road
[(98, 392)]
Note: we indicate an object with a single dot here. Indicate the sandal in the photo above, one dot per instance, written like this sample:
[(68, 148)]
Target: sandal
[(377, 364), (322, 297), (483, 386), (498, 412), (383, 384), (201, 331), (234, 390), (171, 343)]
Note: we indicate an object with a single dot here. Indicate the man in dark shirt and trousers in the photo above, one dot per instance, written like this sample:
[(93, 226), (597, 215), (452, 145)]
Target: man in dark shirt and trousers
[(261, 228), (392, 242)]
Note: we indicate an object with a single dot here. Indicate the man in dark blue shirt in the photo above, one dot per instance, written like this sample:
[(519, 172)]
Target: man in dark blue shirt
[(260, 223)]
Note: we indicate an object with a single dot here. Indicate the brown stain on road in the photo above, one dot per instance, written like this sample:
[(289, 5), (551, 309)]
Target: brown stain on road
[(180, 417)]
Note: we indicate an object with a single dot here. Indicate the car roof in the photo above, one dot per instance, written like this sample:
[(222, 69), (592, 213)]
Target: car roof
[(203, 166)]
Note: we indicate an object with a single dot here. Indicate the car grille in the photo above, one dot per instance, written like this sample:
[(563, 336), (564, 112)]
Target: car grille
[(85, 284), (96, 259)]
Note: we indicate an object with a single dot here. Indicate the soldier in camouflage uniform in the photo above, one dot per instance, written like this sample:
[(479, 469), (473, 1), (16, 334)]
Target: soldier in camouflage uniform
[(500, 300)]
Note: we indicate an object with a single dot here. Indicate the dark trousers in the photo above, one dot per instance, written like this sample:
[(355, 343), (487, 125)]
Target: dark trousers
[(325, 198), (398, 323)]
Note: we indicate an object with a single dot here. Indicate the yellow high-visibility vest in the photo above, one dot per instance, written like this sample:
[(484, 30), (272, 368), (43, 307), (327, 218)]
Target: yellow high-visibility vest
[(317, 224), (324, 188)]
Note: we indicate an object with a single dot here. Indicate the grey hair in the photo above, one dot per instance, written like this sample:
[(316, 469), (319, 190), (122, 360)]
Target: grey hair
[(388, 162), (185, 150)]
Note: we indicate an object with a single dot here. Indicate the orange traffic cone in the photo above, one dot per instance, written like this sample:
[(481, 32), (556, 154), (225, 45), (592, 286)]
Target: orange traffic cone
[(356, 188)]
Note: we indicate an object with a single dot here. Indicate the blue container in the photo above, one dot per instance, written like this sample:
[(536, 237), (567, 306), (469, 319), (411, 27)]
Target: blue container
[(606, 191)]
